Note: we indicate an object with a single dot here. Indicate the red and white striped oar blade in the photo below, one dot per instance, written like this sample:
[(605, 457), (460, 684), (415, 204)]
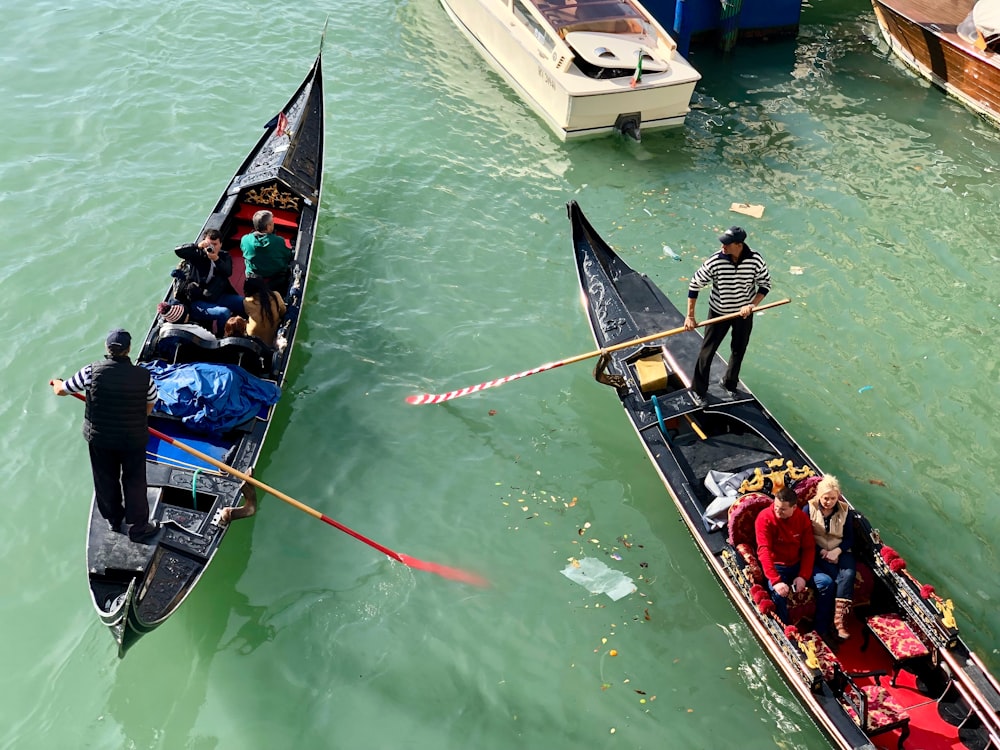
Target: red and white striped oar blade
[(437, 398)]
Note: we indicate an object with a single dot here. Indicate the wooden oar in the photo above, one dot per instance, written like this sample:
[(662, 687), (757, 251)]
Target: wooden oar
[(438, 398), (445, 571)]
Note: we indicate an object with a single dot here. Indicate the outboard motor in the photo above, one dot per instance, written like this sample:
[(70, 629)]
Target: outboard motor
[(629, 125)]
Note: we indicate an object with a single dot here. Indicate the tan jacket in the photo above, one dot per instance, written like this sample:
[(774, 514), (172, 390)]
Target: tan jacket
[(257, 325), (828, 540)]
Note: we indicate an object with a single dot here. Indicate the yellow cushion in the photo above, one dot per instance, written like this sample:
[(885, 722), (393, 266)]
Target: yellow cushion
[(652, 374)]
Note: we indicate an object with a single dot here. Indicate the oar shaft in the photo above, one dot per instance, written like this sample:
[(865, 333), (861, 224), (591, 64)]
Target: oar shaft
[(664, 334), (445, 571), (235, 472), (276, 493), (432, 398)]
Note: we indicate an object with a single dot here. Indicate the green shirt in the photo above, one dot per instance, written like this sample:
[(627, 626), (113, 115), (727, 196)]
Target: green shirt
[(265, 254)]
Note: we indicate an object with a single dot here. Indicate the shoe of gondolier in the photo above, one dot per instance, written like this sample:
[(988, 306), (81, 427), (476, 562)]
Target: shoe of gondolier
[(698, 399), (118, 528), (729, 392), (144, 533)]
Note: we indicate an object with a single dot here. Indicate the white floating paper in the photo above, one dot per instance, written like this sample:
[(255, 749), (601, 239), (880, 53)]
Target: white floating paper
[(598, 578), (750, 209)]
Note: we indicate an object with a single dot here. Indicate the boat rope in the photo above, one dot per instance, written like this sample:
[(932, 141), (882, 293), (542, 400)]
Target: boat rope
[(194, 488), (659, 415), (172, 461)]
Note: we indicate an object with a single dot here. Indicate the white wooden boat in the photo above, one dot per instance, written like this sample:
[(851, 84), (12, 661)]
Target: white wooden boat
[(586, 67)]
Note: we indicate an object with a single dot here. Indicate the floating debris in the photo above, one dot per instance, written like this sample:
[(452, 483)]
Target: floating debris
[(749, 209), (598, 578)]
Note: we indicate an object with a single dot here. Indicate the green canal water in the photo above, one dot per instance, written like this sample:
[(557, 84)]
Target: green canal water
[(443, 260)]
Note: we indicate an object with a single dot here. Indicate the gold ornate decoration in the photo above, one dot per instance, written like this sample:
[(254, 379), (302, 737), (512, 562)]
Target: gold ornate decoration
[(947, 608), (271, 196), (778, 476), (809, 648)]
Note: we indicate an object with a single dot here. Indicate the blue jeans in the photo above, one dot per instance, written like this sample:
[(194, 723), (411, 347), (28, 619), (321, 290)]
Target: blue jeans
[(218, 311), (824, 596), (842, 572)]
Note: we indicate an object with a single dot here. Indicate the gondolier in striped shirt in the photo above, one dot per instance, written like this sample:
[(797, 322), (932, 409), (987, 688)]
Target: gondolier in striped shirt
[(740, 281), (119, 397)]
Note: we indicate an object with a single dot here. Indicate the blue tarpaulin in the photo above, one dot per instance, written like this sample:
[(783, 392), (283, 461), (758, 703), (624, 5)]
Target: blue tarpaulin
[(210, 398)]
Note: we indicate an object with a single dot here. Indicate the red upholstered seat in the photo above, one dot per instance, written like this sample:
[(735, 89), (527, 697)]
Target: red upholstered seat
[(899, 639), (743, 536), (743, 515), (753, 570), (282, 218), (872, 707), (828, 661), (805, 489)]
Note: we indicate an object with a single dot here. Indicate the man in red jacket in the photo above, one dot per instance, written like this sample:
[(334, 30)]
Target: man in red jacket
[(786, 549)]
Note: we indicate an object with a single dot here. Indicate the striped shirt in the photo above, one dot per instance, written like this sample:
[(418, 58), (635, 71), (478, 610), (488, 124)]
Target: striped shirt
[(85, 376), (733, 284)]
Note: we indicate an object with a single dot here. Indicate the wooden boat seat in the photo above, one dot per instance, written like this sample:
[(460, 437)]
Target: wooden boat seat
[(871, 707), (899, 639)]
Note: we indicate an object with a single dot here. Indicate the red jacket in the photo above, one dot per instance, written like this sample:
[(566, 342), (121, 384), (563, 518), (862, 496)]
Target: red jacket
[(785, 542)]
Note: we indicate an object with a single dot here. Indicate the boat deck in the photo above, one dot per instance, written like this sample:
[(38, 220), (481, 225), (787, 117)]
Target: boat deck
[(945, 15)]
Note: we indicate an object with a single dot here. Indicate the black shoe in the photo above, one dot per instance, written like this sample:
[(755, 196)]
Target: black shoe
[(698, 399), (118, 528), (730, 391), (144, 533), (726, 386)]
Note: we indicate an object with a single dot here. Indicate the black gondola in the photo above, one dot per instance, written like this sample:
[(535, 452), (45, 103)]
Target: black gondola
[(136, 587), (940, 694)]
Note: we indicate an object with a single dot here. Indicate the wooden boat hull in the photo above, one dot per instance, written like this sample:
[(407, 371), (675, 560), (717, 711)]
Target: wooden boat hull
[(685, 441), (136, 587), (923, 35), (549, 80)]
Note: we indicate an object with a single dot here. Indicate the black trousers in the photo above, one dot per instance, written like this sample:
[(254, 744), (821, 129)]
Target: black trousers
[(120, 484), (715, 334)]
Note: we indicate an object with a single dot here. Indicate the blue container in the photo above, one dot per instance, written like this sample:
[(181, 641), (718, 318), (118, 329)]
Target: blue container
[(701, 21)]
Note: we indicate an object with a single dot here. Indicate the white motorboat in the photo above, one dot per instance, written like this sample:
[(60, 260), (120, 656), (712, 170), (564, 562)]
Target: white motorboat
[(586, 67)]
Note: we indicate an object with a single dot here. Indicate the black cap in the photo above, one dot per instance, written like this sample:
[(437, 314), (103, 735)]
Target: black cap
[(118, 340), (731, 235)]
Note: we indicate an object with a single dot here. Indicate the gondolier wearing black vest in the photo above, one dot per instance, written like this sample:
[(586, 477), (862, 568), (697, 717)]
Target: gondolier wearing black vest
[(120, 396), (740, 281)]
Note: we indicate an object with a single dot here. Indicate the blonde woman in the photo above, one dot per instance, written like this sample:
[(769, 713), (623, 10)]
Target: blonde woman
[(833, 529)]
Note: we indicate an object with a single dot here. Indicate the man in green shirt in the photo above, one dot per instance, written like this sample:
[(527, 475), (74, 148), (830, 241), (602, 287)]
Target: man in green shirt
[(265, 253)]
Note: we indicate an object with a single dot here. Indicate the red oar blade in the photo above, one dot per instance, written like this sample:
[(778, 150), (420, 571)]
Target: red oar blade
[(453, 574), (444, 571)]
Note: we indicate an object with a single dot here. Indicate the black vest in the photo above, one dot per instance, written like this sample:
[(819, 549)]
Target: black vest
[(116, 405)]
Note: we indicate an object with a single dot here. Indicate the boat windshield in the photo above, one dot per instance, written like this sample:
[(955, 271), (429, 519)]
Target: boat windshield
[(608, 16)]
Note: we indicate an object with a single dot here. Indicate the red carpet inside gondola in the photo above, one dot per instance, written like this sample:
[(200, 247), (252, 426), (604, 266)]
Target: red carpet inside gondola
[(929, 729)]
